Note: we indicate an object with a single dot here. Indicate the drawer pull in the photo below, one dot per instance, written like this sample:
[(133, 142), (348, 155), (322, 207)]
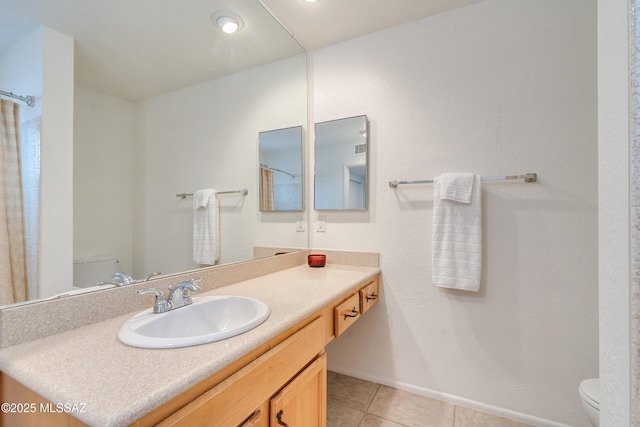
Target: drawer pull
[(279, 418), (372, 296), (354, 313), (253, 419)]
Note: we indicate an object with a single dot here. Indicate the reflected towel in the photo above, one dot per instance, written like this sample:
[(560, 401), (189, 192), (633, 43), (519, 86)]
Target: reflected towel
[(457, 232), (206, 227)]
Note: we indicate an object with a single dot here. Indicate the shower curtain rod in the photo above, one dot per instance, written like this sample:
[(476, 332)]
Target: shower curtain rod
[(29, 100), (262, 165)]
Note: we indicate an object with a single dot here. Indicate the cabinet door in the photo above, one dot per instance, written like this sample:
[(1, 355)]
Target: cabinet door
[(303, 402)]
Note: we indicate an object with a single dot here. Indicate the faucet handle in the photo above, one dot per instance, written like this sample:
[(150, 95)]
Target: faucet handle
[(194, 280), (159, 294), (196, 288), (161, 305), (184, 297), (188, 285), (123, 277)]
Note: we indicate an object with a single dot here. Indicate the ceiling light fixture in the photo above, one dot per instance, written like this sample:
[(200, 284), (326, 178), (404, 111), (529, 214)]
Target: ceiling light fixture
[(228, 22), (311, 1)]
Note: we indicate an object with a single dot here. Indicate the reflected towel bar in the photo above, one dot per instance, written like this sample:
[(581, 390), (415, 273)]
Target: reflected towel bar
[(244, 192), (528, 177)]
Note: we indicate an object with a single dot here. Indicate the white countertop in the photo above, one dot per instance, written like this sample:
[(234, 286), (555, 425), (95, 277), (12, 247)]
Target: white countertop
[(116, 384)]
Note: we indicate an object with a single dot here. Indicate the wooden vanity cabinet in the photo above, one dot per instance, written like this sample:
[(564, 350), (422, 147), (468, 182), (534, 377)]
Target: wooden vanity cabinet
[(347, 310), (281, 381), (301, 403), (259, 417), (235, 400), (287, 384)]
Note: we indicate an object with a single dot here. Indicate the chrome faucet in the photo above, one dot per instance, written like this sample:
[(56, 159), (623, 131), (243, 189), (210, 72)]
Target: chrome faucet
[(161, 305), (109, 282), (157, 273), (122, 279), (126, 280), (179, 296)]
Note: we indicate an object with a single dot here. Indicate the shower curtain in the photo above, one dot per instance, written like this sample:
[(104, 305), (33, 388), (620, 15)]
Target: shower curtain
[(13, 269), (266, 189)]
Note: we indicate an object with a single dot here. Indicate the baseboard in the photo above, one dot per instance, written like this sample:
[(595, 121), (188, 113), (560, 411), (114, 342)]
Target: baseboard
[(456, 400)]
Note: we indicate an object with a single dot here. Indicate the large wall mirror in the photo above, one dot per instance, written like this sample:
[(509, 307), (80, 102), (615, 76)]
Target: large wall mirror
[(281, 183), (341, 148), (158, 102)]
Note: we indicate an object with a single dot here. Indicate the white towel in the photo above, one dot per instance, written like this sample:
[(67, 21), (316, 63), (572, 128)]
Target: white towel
[(457, 232), (456, 186), (206, 227)]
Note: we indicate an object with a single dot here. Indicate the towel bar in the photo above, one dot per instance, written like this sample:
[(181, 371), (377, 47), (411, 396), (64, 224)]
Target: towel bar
[(528, 177), (244, 192)]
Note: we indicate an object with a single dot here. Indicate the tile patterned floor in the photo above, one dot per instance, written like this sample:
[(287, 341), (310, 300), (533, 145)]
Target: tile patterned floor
[(352, 402)]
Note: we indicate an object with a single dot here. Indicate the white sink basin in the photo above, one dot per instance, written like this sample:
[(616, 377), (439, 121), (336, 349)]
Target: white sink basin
[(206, 320)]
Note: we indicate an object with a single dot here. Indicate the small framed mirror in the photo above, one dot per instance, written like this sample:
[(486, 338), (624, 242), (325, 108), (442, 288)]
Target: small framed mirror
[(341, 171), (281, 183)]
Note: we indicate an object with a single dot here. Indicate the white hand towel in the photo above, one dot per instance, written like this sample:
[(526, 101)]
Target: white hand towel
[(457, 232), (456, 186), (206, 227)]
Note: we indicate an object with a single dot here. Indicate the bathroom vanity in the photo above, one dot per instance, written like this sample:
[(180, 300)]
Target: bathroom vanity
[(270, 375)]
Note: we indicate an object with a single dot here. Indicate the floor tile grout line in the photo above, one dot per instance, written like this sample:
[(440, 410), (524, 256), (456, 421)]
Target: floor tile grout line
[(453, 421), (456, 411), (366, 411)]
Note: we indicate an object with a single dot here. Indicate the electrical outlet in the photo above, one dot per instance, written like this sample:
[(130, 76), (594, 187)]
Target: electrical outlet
[(300, 224), (321, 225)]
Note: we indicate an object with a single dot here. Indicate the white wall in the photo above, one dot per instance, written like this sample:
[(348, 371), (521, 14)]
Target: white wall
[(21, 72), (613, 177), (42, 65), (103, 177), (501, 87), (57, 161), (206, 136)]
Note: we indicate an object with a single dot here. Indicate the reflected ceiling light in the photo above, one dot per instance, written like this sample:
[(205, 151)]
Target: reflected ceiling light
[(228, 22)]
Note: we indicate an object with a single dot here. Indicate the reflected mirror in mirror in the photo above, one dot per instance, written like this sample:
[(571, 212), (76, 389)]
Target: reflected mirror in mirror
[(280, 153), (173, 110), (341, 148)]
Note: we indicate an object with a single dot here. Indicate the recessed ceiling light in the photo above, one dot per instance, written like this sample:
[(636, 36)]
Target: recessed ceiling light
[(311, 1), (228, 22)]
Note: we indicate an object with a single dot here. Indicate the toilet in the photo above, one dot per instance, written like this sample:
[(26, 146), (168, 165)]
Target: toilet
[(590, 395), (88, 271)]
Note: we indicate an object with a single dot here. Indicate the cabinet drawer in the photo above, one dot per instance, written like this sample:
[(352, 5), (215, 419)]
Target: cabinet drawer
[(230, 402), (369, 295), (259, 418), (346, 313)]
